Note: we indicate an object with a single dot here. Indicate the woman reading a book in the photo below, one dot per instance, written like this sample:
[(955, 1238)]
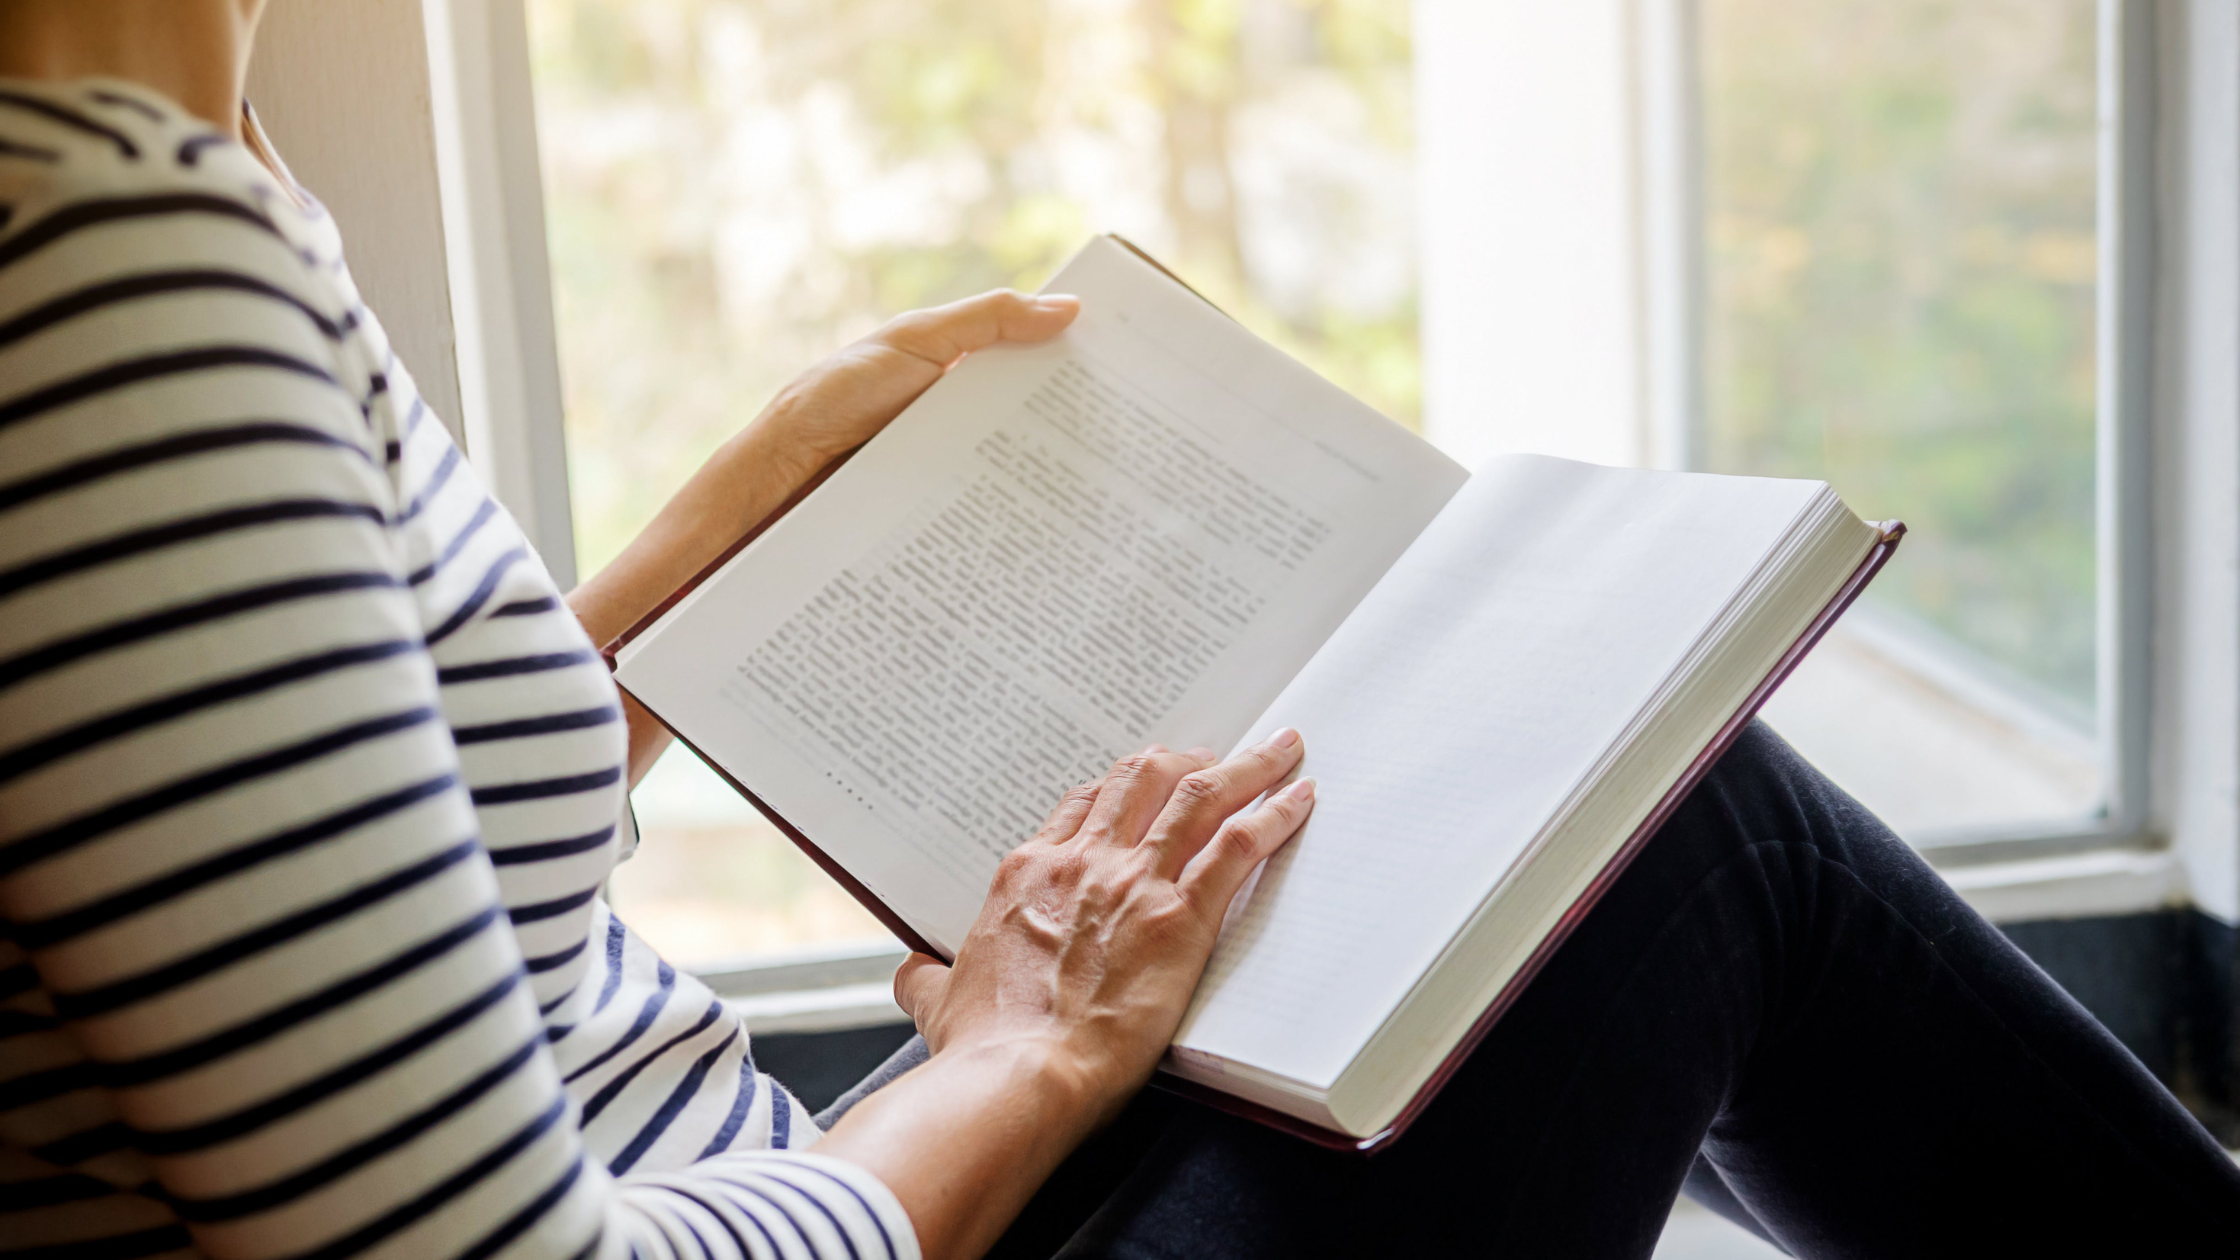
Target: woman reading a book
[(310, 780)]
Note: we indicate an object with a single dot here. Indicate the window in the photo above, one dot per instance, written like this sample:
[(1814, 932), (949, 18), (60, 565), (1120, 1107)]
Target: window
[(736, 187), (1880, 242), (1899, 274)]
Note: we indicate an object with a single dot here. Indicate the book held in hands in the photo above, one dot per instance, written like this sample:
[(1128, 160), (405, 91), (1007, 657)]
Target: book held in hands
[(1157, 528)]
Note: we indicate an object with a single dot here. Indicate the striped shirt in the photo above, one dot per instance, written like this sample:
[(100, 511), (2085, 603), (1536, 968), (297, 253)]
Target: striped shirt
[(309, 780)]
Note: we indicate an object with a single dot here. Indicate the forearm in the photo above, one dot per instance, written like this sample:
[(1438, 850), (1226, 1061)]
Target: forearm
[(745, 481), (964, 1140)]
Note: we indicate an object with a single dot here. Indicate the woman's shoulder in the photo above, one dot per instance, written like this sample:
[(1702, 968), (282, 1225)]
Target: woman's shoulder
[(130, 174)]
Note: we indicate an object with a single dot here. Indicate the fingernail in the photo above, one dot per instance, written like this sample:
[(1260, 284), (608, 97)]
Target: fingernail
[(1153, 751), (1203, 753), (1300, 790), (1284, 738), (1056, 301)]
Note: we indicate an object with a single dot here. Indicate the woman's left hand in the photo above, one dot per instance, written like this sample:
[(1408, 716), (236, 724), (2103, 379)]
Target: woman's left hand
[(844, 401), (828, 411)]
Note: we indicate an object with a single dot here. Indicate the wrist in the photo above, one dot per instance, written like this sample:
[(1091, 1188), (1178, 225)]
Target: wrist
[(1077, 1086)]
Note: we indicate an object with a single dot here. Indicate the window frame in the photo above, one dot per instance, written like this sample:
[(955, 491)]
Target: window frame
[(1667, 148)]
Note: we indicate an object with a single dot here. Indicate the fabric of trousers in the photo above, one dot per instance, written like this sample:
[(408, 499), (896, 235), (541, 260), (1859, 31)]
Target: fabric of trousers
[(1777, 1006)]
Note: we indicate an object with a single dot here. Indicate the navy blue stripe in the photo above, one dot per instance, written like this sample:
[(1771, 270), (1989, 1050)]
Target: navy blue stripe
[(750, 1086), (425, 1204), (482, 592), (21, 978), (575, 720), (525, 607), (62, 1188), (79, 1147), (357, 1071), (10, 148), (617, 937), (152, 367), (444, 468), (723, 1219), (451, 550), (687, 1088), (163, 450), (190, 149), (542, 910), (87, 1003), (72, 119), (667, 978), (94, 297), (613, 1088), (508, 667), (241, 1036), (847, 1236), (518, 1224), (84, 214), (542, 789), (133, 103), (771, 1201), (550, 849), (32, 1087), (357, 1155), (25, 1023), (853, 1193), (180, 703), (172, 533), (153, 1241), (781, 1120), (45, 844), (548, 962), (44, 932), (179, 617)]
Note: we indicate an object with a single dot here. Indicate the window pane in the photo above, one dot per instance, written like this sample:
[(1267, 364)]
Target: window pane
[(1900, 254), (737, 187)]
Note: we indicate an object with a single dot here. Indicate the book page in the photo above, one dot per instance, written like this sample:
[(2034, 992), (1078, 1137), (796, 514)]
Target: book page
[(1448, 721), (1134, 534)]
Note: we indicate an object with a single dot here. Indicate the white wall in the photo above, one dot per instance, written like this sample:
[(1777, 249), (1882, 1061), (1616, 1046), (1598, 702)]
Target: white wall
[(1532, 311), (342, 88), (412, 120), (501, 276), (2196, 757)]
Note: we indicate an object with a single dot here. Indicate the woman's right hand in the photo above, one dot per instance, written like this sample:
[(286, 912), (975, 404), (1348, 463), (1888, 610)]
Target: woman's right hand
[(1068, 987), (1096, 930)]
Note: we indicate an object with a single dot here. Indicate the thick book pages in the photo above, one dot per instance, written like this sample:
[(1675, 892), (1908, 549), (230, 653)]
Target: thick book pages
[(1157, 528)]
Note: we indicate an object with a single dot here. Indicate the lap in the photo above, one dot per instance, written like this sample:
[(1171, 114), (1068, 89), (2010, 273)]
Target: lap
[(1776, 982)]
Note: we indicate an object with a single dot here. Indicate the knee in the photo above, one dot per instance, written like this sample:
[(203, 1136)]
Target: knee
[(1763, 791)]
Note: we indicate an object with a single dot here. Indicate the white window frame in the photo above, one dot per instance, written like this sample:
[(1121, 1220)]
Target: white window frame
[(1600, 263), (1610, 154)]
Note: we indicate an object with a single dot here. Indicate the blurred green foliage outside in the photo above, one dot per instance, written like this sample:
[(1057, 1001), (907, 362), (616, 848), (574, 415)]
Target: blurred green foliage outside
[(1899, 204), (737, 187)]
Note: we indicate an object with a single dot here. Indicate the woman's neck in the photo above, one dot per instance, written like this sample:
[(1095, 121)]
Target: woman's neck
[(194, 51)]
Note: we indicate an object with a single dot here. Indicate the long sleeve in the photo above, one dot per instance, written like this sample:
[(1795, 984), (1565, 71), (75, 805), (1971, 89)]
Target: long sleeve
[(263, 991)]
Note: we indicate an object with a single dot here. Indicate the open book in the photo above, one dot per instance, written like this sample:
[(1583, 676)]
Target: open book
[(1158, 528)]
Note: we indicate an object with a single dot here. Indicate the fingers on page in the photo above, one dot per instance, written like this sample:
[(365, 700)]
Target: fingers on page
[(1072, 809), (1133, 795), (1244, 842), (1205, 798)]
